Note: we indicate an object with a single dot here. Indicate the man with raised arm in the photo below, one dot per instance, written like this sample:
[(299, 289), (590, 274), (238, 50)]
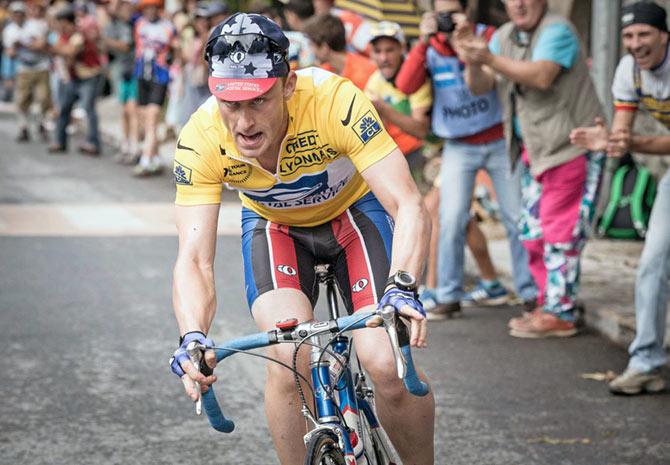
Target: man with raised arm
[(545, 88), (642, 81), (320, 181)]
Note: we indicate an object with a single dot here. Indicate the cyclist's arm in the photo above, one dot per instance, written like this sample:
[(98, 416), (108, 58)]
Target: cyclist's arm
[(391, 182), (193, 291)]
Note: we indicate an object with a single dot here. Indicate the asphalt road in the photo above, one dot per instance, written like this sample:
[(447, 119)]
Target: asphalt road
[(87, 328)]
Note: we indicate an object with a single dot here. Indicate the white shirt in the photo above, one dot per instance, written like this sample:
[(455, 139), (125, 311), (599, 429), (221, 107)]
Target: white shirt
[(20, 37)]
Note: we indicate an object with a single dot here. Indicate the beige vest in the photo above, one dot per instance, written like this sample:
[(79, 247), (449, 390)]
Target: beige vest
[(546, 117)]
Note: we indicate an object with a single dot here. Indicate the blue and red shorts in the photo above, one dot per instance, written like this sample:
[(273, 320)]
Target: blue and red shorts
[(357, 245)]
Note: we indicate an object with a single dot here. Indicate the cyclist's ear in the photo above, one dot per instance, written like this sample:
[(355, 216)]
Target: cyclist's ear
[(289, 83)]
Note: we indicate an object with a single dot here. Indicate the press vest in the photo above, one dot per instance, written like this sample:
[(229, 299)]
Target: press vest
[(546, 117), (456, 112)]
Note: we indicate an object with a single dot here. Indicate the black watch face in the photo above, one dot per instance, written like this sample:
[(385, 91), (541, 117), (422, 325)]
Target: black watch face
[(405, 280)]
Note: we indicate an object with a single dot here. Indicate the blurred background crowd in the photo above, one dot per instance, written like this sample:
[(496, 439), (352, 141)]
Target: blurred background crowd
[(475, 155)]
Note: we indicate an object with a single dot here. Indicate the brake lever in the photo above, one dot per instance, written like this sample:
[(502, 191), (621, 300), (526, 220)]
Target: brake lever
[(195, 350), (388, 315)]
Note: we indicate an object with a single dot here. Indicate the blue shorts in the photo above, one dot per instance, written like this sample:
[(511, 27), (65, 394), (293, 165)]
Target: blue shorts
[(357, 245), (127, 90)]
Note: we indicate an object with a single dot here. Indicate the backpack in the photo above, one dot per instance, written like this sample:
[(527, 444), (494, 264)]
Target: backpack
[(631, 198)]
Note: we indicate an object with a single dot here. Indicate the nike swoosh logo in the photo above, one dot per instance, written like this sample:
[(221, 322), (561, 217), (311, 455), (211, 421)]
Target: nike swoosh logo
[(183, 147), (345, 121)]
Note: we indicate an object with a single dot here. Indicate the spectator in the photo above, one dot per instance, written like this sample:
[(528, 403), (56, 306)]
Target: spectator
[(81, 74), (483, 294), (406, 117), (25, 39), (195, 69), (118, 37), (642, 81), (326, 33), (300, 53), (8, 65), (546, 88), (155, 39), (217, 11), (473, 132), (357, 28)]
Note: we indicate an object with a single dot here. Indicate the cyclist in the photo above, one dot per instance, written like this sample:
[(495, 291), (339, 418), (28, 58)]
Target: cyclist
[(317, 174)]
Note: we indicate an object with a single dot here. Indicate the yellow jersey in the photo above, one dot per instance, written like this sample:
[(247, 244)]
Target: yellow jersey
[(334, 133)]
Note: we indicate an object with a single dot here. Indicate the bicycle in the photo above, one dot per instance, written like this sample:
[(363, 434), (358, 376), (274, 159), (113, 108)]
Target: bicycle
[(345, 428)]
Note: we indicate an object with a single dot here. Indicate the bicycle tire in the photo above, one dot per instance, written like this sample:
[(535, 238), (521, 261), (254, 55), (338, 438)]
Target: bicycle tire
[(323, 449), (378, 449)]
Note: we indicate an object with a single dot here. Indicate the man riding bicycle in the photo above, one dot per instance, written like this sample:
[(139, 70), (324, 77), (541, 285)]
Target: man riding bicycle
[(317, 174)]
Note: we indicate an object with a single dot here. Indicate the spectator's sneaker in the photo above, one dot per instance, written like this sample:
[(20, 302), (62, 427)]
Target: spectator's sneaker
[(513, 322), (144, 170), (23, 136), (632, 382), (89, 149), (56, 149), (44, 134), (427, 298), (483, 295), (131, 159), (444, 311), (540, 325)]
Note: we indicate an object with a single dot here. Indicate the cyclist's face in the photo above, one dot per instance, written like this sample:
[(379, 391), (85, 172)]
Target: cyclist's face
[(386, 53), (646, 43), (258, 126)]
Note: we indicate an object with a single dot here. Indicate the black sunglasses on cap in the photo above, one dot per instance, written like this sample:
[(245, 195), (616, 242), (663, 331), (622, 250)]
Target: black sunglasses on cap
[(230, 44)]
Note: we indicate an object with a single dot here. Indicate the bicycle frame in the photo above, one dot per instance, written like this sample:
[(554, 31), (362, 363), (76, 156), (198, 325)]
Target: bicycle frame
[(352, 395), (348, 400)]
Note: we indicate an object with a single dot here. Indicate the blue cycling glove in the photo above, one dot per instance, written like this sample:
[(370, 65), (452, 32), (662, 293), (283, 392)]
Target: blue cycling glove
[(398, 298), (180, 354)]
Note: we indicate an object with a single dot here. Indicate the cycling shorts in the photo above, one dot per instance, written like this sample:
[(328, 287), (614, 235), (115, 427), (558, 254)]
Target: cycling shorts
[(357, 245)]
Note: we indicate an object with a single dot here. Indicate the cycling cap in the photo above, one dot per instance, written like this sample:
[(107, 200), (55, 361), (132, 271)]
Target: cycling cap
[(246, 54), (387, 29), (644, 13)]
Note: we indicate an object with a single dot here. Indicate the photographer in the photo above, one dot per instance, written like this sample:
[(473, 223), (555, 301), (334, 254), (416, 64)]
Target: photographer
[(473, 132)]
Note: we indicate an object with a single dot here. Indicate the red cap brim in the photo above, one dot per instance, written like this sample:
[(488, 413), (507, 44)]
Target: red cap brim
[(235, 90)]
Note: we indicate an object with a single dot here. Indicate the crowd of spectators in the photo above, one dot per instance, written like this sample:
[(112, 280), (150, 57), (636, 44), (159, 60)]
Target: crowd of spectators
[(516, 102)]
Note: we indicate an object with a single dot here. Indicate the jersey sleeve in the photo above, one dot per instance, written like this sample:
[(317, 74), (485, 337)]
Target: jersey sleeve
[(623, 86), (557, 43), (354, 124), (198, 177)]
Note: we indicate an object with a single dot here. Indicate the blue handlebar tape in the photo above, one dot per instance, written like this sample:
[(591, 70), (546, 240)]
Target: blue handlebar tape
[(216, 418), (355, 321), (412, 382), (209, 403), (253, 341)]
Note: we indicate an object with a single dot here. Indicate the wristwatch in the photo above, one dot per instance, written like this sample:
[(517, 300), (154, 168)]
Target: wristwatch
[(402, 280)]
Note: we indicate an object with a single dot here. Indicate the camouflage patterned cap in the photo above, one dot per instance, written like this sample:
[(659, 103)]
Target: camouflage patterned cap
[(246, 54)]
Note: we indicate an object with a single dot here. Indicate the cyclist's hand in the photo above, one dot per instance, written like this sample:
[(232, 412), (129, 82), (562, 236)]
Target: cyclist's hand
[(181, 365), (407, 304)]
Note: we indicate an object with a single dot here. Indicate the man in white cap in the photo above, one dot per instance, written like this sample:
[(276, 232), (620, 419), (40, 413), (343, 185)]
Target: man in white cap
[(25, 39)]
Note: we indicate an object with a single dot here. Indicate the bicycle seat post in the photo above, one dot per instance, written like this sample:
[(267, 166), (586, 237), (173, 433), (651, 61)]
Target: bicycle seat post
[(324, 274)]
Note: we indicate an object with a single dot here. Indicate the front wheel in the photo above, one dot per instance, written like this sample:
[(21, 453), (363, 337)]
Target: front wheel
[(323, 449)]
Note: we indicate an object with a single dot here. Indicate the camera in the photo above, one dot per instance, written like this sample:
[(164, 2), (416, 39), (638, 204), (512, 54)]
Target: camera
[(445, 21)]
